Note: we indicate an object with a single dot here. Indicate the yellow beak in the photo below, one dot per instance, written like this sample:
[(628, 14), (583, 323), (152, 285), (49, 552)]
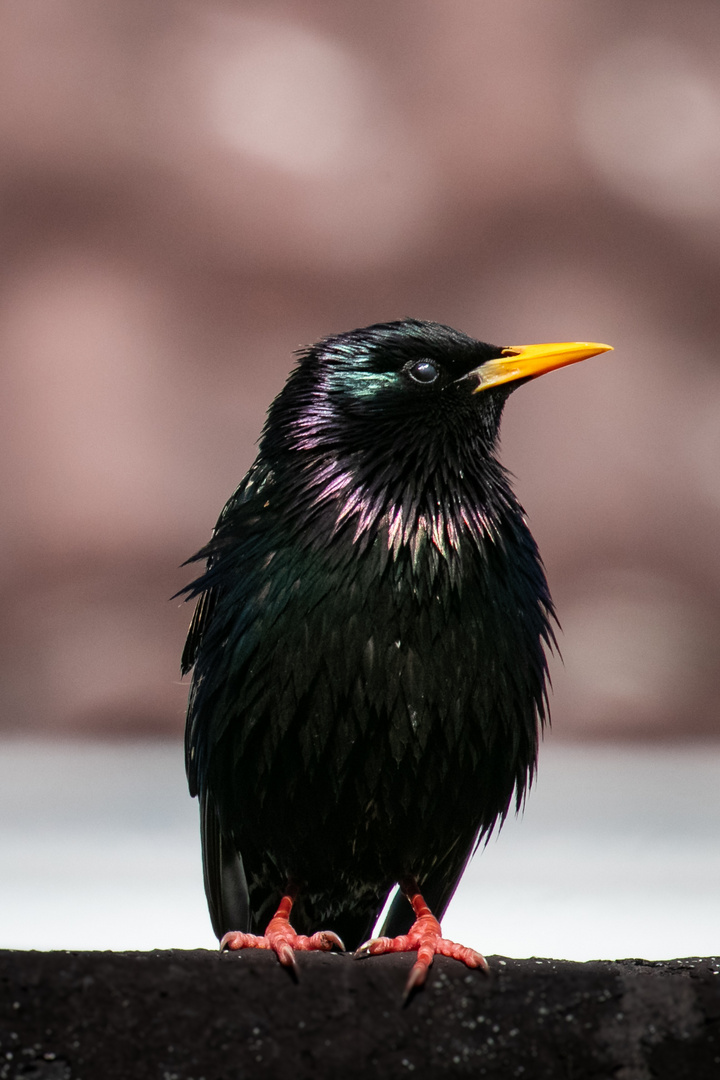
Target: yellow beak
[(529, 361)]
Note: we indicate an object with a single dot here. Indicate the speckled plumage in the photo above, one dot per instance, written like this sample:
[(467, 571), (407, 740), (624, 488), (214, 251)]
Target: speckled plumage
[(369, 640)]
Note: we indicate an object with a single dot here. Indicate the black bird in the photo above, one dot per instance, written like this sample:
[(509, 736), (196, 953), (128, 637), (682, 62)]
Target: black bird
[(368, 645)]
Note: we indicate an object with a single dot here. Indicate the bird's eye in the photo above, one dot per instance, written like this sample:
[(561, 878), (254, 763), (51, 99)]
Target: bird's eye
[(423, 371)]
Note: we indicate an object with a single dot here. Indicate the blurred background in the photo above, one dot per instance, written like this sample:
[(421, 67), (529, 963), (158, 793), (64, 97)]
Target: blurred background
[(190, 191)]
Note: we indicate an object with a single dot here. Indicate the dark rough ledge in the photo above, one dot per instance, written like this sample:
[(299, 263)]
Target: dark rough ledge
[(193, 1015)]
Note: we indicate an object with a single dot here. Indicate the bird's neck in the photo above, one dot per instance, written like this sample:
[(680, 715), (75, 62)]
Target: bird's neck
[(405, 500)]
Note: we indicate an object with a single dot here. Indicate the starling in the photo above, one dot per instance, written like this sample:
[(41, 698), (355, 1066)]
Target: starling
[(369, 646)]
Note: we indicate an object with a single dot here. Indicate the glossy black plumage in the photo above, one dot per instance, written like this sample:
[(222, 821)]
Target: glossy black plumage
[(369, 640)]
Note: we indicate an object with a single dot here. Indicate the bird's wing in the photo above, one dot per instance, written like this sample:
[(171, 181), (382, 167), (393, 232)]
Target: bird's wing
[(233, 531), (223, 873), (228, 531)]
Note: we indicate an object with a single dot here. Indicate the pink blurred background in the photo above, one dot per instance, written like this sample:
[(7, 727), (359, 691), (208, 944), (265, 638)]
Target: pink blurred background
[(192, 190)]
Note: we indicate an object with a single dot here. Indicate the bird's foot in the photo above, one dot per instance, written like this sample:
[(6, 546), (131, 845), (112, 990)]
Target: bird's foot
[(425, 938), (282, 939)]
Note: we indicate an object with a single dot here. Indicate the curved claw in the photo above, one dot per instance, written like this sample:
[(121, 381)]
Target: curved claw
[(365, 949), (326, 941), (377, 945), (416, 979), (478, 960), (235, 939), (285, 954)]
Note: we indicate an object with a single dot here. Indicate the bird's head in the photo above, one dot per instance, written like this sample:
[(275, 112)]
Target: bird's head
[(406, 391)]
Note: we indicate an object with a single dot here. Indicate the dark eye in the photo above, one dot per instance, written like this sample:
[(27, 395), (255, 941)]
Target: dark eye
[(424, 371)]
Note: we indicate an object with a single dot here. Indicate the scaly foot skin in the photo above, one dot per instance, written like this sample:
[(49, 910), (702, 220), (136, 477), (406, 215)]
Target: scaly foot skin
[(425, 938), (282, 939)]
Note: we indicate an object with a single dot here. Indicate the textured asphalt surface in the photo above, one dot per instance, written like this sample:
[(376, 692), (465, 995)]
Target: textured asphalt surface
[(197, 1015)]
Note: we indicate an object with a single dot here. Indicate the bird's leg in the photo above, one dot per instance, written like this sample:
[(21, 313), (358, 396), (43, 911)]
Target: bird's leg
[(281, 938), (425, 938)]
